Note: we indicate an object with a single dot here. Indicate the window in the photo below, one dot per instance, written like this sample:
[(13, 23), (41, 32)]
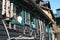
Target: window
[(18, 13), (30, 19), (27, 17), (33, 21)]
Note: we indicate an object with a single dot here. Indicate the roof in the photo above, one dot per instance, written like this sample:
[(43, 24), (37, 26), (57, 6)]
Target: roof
[(57, 15), (58, 9)]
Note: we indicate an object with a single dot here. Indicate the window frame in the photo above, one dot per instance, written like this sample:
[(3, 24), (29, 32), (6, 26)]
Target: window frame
[(22, 15), (26, 22), (34, 22), (30, 24)]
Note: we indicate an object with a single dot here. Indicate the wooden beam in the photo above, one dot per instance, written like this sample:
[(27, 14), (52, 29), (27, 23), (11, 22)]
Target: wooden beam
[(37, 23), (10, 25), (7, 8), (11, 10), (3, 6)]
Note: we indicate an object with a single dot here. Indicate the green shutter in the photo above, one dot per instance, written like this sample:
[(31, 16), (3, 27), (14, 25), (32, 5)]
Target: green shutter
[(23, 15)]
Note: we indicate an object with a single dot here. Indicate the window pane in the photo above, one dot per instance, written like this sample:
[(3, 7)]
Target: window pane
[(33, 21), (27, 18), (18, 14)]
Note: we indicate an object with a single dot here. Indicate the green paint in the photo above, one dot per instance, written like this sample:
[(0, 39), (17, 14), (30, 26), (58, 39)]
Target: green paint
[(47, 28), (34, 24), (23, 15), (15, 22)]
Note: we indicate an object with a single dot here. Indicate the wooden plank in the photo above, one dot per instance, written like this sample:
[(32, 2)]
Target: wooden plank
[(3, 7), (14, 27), (7, 8), (11, 10), (14, 12), (27, 17), (37, 24), (10, 25)]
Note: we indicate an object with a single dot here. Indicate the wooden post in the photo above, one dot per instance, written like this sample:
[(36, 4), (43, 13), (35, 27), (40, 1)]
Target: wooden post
[(6, 29), (7, 8), (25, 18), (14, 13), (37, 26), (10, 25), (40, 23), (14, 26), (11, 10), (3, 7), (23, 30), (31, 31)]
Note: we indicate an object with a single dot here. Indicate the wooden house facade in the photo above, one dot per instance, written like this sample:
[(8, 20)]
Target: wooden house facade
[(24, 19)]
